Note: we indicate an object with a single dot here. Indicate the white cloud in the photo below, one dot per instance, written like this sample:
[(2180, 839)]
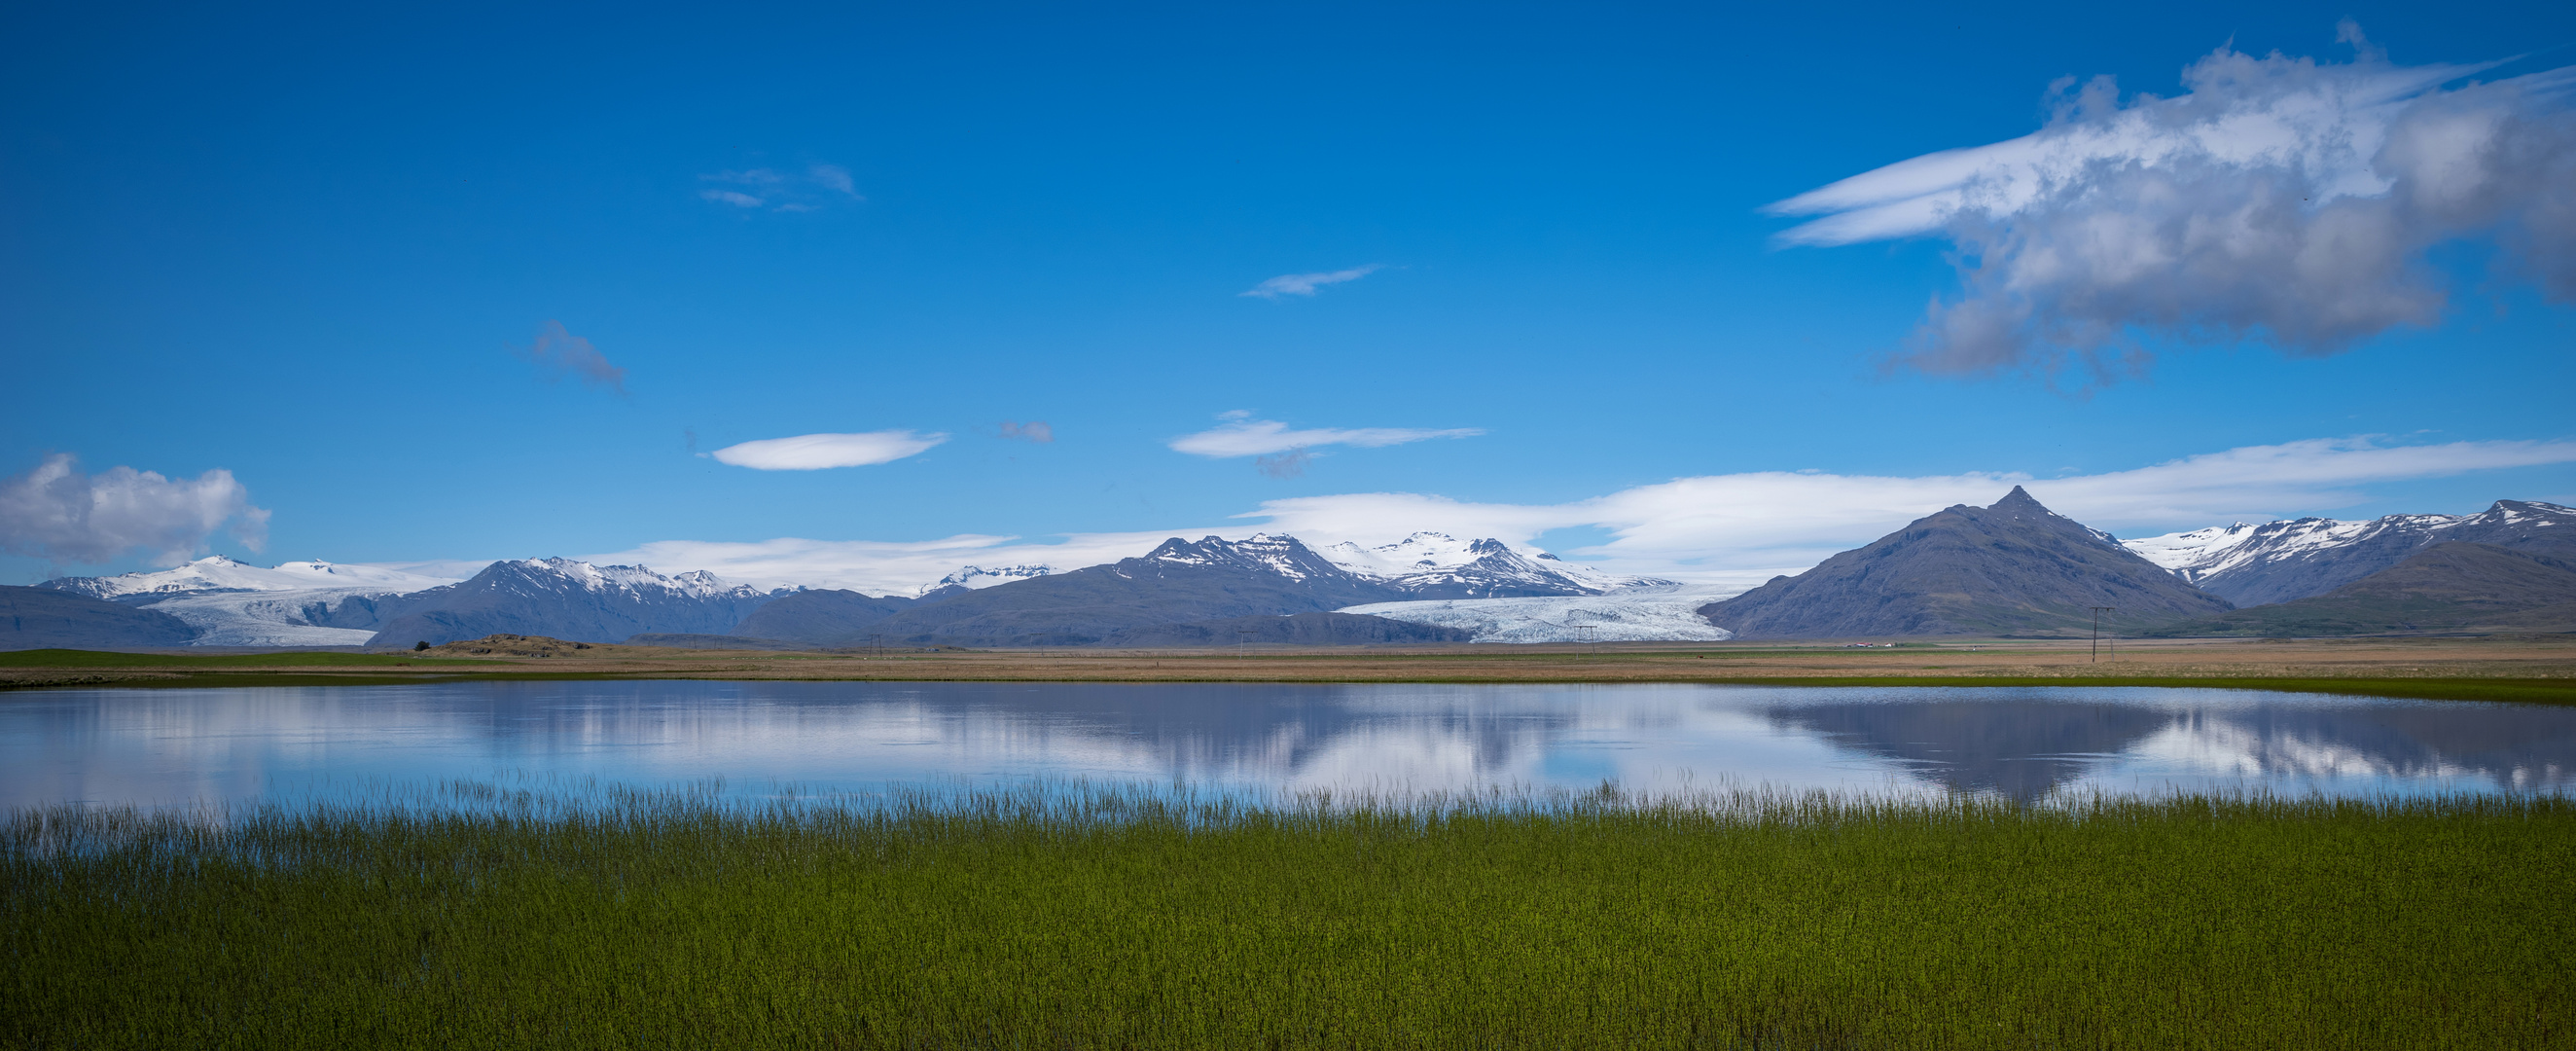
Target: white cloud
[(833, 177), (1731, 531), (560, 352), (783, 191), (55, 512), (1306, 284), (814, 452), (2277, 199), (1246, 437)]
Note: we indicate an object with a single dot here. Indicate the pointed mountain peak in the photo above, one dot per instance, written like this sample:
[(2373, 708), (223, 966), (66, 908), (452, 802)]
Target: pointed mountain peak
[(2019, 499)]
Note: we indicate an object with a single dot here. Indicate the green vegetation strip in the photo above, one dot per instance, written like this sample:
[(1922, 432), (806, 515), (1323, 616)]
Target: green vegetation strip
[(1109, 920)]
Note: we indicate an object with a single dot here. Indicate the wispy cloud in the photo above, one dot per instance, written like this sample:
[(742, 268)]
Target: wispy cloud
[(558, 352), (2277, 199), (782, 191), (1241, 436), (1730, 531), (55, 512), (1306, 284), (1032, 431), (1290, 464), (815, 452)]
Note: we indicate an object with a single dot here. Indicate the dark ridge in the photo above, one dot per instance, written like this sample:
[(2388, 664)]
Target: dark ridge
[(2015, 568), (823, 617), (2448, 587), (43, 618)]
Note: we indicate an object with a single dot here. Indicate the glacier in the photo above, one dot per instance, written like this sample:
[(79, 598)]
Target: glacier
[(1657, 613), (233, 603)]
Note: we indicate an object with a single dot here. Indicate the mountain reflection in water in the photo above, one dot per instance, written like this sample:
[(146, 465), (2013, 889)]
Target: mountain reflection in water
[(2026, 748), (178, 746)]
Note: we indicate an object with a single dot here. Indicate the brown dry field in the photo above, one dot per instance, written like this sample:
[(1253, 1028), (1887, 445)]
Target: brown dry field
[(2502, 668)]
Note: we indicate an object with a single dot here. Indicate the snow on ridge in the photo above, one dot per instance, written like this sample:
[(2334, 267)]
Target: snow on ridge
[(2201, 554), (1279, 553), (980, 577), (1427, 558), (220, 573), (697, 583)]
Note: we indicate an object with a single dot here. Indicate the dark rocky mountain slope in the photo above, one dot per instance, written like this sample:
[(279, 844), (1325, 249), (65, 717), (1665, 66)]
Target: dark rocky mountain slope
[(825, 617), (1296, 629), (1177, 583), (2448, 587), (2015, 568), (566, 599), (43, 618)]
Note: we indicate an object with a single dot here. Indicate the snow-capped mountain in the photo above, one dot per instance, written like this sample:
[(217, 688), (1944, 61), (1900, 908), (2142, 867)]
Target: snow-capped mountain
[(2259, 564), (232, 603), (1261, 553), (573, 600), (1666, 613), (1184, 582), (1481, 568), (218, 573), (977, 577)]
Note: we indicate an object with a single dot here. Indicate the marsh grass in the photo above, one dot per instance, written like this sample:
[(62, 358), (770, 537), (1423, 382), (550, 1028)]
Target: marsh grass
[(1122, 917)]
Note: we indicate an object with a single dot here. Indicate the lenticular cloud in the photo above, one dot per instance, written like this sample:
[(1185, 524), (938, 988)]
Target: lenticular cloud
[(2277, 199)]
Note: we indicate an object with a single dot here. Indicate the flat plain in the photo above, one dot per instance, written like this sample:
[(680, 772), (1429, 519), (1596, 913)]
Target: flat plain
[(2536, 668)]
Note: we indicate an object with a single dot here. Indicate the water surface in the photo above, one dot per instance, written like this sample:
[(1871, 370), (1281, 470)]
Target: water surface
[(165, 746)]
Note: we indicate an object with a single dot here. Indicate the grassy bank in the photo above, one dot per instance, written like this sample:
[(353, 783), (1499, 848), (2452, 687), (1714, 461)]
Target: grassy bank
[(2512, 671), (1139, 921)]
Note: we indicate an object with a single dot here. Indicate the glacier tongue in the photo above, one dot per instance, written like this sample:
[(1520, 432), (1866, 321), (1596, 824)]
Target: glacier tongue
[(257, 618), (1668, 613)]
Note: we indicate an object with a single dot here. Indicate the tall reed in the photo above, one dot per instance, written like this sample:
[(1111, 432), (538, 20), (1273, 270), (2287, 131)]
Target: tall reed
[(1151, 917)]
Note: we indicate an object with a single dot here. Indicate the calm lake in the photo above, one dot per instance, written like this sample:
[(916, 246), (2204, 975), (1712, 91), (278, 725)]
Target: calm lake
[(159, 747)]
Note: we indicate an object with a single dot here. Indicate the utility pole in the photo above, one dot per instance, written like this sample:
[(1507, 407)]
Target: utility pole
[(1243, 644), (2098, 611), (1587, 635)]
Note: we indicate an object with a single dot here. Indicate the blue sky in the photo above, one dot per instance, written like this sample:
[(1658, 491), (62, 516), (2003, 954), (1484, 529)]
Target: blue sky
[(343, 256)]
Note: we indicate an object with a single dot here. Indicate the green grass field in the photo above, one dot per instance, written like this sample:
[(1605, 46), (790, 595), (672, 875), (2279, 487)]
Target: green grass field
[(1140, 920)]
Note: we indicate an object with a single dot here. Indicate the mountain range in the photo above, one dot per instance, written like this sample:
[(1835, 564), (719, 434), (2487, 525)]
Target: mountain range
[(2451, 586), (2013, 568), (218, 601), (2253, 565), (571, 600), (1195, 589)]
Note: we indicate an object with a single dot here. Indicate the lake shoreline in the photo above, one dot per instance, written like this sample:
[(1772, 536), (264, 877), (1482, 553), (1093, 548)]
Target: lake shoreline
[(2527, 670)]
